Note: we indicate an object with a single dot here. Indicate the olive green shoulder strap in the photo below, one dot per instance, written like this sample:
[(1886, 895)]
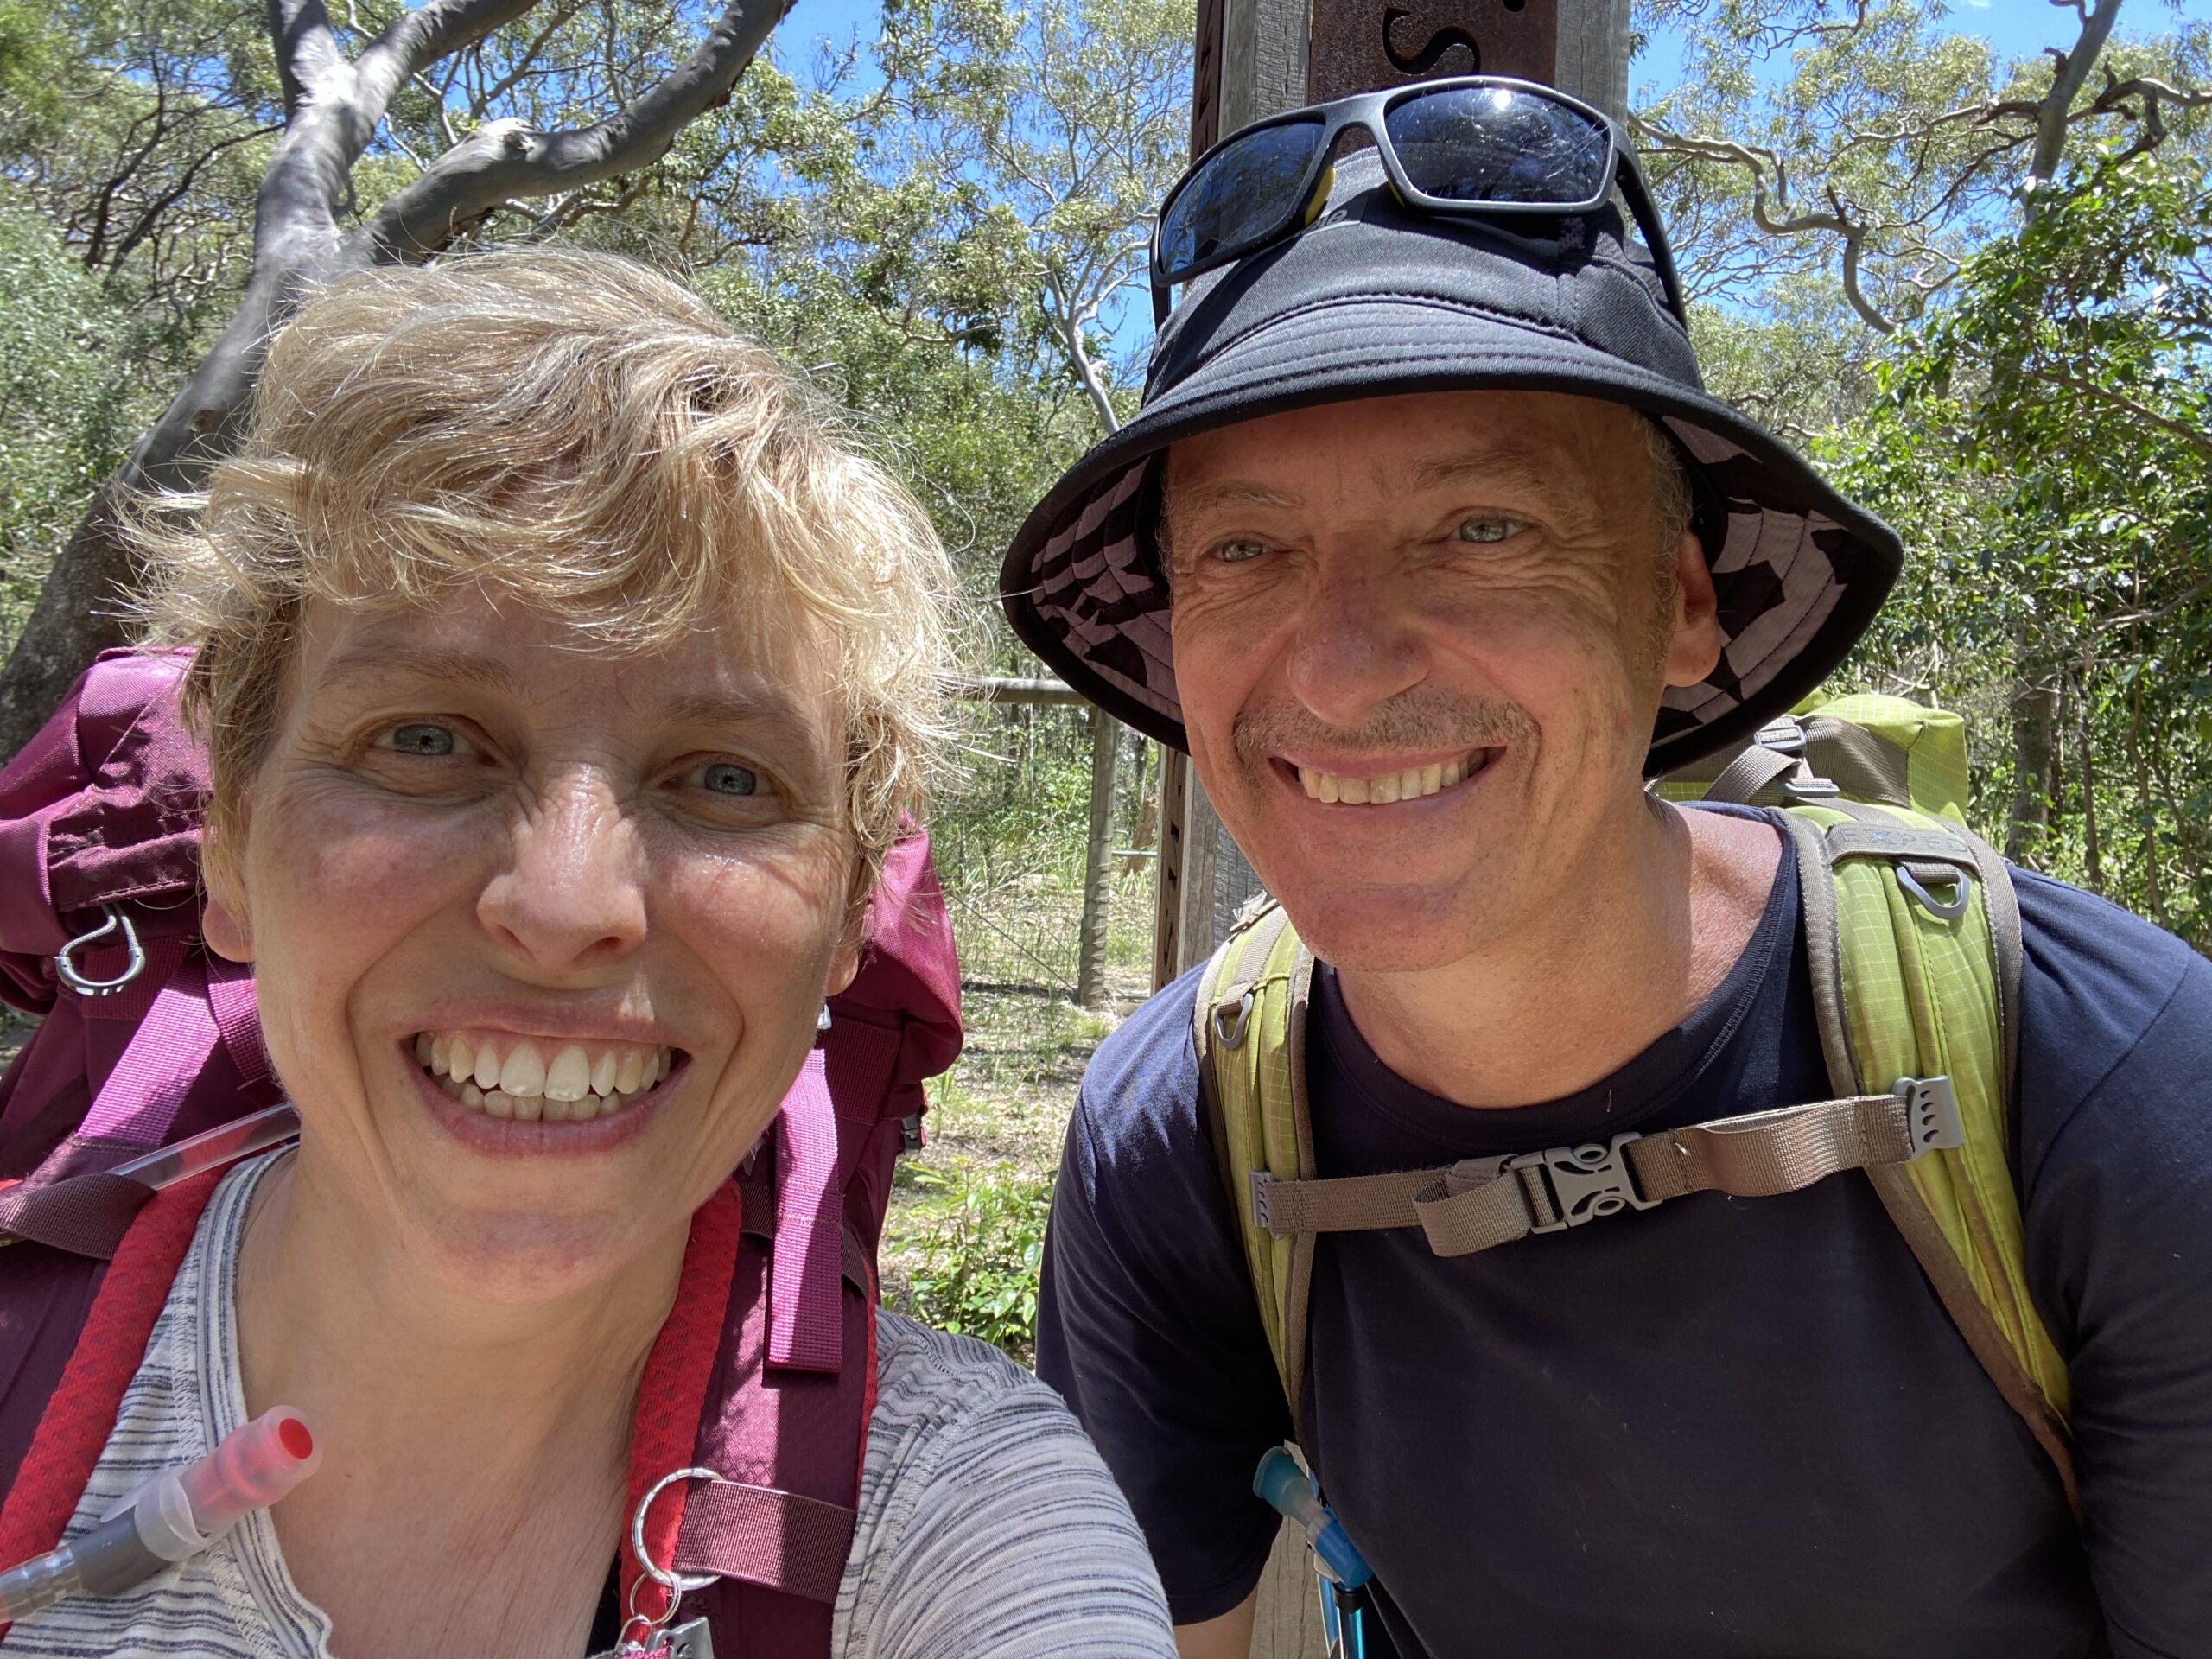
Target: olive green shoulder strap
[(1248, 1023), (1913, 934)]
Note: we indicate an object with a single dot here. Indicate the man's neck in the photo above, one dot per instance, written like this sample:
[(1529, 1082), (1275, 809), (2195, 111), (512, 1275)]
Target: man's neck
[(1637, 935)]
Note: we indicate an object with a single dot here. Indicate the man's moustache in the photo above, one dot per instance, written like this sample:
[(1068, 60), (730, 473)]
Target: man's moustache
[(1413, 722)]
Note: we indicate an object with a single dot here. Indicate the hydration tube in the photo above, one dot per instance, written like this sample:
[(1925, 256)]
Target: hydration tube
[(171, 1518), (1341, 1570)]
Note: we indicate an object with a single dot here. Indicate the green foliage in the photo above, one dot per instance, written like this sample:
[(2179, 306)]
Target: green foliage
[(977, 1239), (2041, 439), (66, 412)]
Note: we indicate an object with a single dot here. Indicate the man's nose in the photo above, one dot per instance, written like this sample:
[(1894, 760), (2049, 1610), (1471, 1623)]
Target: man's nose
[(1357, 643), (571, 893)]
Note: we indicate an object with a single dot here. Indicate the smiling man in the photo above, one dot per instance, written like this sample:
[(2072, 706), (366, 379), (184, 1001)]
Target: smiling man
[(1431, 549)]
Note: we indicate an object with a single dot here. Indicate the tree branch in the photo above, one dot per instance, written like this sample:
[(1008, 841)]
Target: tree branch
[(2072, 74), (2188, 435), (418, 39), (307, 48), (503, 159)]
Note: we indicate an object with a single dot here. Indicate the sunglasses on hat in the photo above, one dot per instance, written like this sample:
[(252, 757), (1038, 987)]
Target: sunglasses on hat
[(1472, 146)]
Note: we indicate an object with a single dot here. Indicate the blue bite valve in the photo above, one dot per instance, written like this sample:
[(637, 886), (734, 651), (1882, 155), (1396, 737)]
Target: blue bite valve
[(1288, 1489)]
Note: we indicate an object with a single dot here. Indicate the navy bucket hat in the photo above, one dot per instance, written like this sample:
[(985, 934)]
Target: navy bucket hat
[(1377, 299)]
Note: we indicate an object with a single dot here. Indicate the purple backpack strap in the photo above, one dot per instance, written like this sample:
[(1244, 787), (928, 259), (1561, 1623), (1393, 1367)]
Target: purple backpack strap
[(776, 1529)]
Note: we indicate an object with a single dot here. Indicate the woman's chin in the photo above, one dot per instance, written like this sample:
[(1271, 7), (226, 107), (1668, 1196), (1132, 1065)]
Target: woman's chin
[(523, 1258)]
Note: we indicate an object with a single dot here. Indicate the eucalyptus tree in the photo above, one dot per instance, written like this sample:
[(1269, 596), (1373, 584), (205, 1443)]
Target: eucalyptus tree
[(1841, 163), (391, 130)]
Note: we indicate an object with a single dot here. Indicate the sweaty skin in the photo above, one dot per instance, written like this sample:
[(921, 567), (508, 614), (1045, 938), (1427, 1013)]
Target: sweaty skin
[(1371, 596)]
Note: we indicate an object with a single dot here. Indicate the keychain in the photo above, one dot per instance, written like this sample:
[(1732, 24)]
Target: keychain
[(662, 1637)]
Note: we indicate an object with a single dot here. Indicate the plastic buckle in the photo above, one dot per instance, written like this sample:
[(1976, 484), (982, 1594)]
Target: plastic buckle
[(1580, 1183), (1784, 734), (910, 1133), (1931, 1114)]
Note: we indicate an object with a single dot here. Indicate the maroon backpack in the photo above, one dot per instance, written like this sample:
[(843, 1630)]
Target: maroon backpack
[(148, 1076)]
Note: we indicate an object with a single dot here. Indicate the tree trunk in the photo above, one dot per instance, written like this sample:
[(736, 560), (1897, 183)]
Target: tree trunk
[(2035, 748), (332, 108)]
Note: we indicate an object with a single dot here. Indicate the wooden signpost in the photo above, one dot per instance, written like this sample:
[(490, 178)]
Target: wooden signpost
[(1256, 57)]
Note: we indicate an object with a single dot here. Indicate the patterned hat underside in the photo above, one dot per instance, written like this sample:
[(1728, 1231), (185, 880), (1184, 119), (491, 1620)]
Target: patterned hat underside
[(1775, 578)]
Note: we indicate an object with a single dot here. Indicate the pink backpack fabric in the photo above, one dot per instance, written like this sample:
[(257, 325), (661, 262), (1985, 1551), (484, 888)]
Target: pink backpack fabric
[(149, 1039)]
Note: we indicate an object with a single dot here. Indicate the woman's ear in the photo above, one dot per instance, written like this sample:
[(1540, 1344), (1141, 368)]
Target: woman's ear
[(223, 921), (845, 966)]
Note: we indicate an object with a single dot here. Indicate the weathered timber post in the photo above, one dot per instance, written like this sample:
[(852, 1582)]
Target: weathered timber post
[(1091, 989), (1256, 57)]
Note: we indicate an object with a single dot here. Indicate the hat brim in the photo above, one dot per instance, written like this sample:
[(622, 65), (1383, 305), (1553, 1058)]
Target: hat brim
[(1799, 572)]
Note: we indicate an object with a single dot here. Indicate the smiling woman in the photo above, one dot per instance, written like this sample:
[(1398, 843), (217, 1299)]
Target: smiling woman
[(565, 682)]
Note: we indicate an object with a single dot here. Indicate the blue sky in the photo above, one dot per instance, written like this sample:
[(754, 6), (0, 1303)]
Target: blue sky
[(2015, 26)]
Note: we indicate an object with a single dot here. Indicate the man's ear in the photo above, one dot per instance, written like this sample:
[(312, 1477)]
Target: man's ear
[(1694, 639)]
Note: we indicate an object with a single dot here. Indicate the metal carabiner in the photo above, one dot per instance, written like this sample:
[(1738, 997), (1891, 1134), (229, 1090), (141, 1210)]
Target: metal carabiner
[(66, 970)]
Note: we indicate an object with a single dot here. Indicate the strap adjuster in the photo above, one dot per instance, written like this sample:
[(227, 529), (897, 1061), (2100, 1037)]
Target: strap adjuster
[(1931, 1114), (1567, 1186)]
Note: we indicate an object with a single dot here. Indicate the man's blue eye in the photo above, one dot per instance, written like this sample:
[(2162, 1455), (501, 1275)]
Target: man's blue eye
[(1487, 529), (726, 779), (423, 738)]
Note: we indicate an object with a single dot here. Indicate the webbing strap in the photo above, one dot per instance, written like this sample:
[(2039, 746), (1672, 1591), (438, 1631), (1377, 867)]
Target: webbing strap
[(782, 1541), (1481, 1203), (1747, 778)]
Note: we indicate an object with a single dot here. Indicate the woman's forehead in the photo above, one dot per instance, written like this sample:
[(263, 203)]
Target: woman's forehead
[(768, 662)]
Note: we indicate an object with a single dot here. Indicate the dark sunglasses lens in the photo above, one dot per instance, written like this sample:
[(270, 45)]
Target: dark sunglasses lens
[(1239, 195), (1492, 143)]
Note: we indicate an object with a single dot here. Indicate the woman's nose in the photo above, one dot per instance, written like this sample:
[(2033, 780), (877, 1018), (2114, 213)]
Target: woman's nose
[(571, 893), (1357, 643)]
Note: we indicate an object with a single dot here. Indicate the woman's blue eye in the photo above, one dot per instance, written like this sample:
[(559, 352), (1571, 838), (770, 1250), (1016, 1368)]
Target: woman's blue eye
[(1238, 552), (421, 738), (724, 779)]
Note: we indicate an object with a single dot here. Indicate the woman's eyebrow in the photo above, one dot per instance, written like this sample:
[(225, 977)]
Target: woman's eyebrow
[(767, 710), (367, 656)]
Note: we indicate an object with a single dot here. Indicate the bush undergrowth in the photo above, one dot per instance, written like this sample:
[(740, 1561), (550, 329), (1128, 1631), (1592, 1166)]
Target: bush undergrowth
[(976, 1240)]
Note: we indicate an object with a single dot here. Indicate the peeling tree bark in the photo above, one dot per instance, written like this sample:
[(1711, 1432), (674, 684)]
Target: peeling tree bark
[(333, 106)]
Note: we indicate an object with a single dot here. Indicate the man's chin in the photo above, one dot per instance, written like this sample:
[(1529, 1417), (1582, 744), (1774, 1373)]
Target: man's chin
[(1384, 930)]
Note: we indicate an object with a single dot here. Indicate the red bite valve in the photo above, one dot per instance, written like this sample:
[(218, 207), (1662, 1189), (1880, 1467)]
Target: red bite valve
[(252, 1469)]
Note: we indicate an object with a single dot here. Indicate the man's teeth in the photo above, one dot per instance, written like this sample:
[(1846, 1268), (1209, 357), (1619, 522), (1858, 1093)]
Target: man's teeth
[(511, 1076), (1391, 787)]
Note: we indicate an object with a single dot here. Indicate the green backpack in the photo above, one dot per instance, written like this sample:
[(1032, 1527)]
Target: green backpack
[(1914, 935)]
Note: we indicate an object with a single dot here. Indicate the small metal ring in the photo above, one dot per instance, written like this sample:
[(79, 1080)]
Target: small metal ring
[(84, 985), (676, 1584)]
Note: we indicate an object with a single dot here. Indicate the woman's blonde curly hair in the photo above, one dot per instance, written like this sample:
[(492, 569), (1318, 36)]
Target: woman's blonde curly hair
[(578, 431)]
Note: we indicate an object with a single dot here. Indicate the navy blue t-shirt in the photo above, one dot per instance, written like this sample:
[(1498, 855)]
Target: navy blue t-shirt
[(1720, 1427)]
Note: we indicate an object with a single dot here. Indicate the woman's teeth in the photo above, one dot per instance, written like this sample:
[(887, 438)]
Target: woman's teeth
[(510, 1077), (1391, 787)]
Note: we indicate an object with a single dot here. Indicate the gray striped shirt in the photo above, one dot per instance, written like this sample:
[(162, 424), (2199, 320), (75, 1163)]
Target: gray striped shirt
[(988, 1523)]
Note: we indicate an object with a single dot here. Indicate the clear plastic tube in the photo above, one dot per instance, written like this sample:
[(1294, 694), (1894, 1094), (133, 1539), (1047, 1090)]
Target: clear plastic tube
[(171, 1518)]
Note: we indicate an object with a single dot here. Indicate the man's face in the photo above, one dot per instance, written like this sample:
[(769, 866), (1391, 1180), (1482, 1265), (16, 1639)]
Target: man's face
[(1420, 642)]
